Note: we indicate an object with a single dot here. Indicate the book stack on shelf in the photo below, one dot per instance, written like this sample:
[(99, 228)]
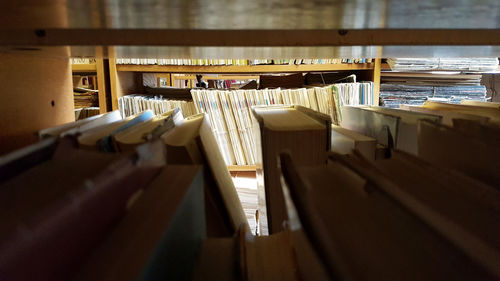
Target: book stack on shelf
[(443, 64), (229, 112), (397, 94), (414, 81), (85, 98), (134, 104), (166, 208), (181, 61), (119, 196), (83, 60)]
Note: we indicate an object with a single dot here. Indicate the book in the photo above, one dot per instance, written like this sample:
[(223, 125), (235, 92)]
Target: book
[(56, 130), (379, 125), (54, 213), (464, 210), (344, 141), (391, 127), (361, 233), (279, 256), (492, 113), (153, 128), (159, 237), (445, 146), (25, 158), (101, 137), (481, 103), (135, 104), (191, 141), (406, 134), (106, 143), (447, 116), (303, 132)]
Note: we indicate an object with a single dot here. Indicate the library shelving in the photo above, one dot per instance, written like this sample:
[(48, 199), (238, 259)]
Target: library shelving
[(98, 68)]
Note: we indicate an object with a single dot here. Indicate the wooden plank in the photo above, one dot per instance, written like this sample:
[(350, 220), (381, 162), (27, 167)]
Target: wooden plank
[(248, 37), (241, 168), (101, 82), (92, 67), (244, 68), (113, 78), (235, 77), (376, 80)]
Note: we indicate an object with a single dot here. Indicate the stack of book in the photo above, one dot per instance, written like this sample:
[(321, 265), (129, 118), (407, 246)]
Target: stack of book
[(166, 208), (396, 94), (229, 112), (181, 61), (444, 64), (83, 60), (134, 104), (86, 98), (70, 212)]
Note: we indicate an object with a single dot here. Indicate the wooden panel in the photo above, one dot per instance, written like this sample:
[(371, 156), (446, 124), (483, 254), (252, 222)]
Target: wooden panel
[(263, 38), (84, 67), (376, 81), (101, 81), (113, 78), (242, 14)]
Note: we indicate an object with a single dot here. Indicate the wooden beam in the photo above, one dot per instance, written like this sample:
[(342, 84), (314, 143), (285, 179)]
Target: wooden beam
[(376, 81), (113, 78), (234, 38), (91, 67), (101, 81), (221, 69)]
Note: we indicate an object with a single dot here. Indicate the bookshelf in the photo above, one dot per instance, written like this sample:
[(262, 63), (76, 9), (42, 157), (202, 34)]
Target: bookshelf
[(127, 79), (97, 68)]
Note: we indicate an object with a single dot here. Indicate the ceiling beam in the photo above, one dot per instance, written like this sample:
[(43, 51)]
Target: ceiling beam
[(250, 38)]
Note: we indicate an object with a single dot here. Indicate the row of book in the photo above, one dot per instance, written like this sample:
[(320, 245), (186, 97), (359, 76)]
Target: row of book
[(387, 216), (444, 64), (230, 112), (135, 104), (69, 213), (373, 131), (72, 212), (152, 61), (83, 60), (397, 94)]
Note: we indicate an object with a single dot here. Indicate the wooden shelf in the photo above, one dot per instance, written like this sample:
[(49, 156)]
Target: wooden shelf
[(244, 68), (84, 67), (241, 168)]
